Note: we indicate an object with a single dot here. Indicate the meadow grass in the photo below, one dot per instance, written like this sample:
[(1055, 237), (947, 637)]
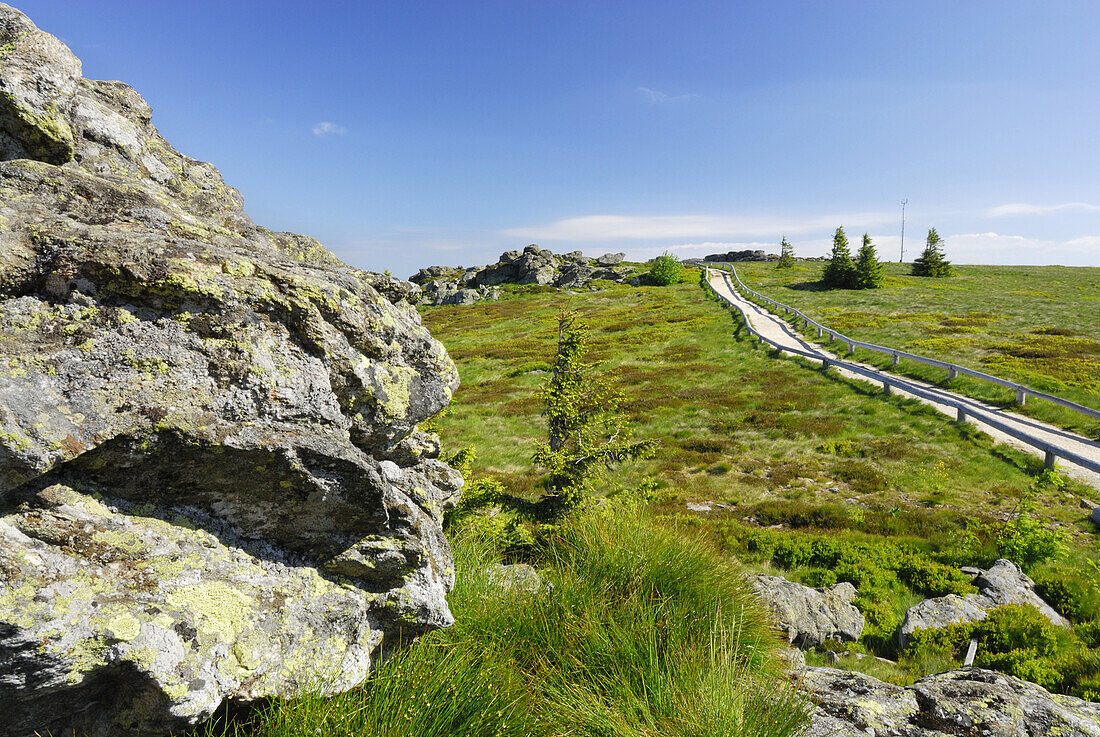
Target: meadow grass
[(736, 424), (640, 631), (1036, 325)]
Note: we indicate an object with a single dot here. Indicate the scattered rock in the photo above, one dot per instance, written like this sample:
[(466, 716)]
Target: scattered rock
[(811, 616), (449, 285), (1089, 504), (960, 702), (520, 576), (1004, 583), (212, 484)]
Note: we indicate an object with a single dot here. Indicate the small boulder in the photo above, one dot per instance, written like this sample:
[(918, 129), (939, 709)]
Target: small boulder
[(940, 612), (520, 576), (811, 616), (610, 259), (1004, 583)]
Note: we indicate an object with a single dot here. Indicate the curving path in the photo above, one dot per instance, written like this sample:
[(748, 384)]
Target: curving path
[(780, 332)]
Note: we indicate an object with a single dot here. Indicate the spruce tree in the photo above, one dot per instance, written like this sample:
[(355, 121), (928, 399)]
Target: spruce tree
[(869, 274), (840, 271), (931, 261), (786, 255), (587, 432)]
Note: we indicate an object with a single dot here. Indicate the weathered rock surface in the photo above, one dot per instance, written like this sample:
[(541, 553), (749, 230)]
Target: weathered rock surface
[(811, 616), (445, 285), (959, 702), (212, 484), (1004, 583)]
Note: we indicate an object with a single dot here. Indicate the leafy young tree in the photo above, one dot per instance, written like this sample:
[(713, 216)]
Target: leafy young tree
[(869, 273), (586, 432), (786, 255), (931, 261), (840, 271), (666, 269)]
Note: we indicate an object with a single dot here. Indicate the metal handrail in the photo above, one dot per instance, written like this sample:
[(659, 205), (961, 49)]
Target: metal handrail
[(1050, 451), (1022, 392)]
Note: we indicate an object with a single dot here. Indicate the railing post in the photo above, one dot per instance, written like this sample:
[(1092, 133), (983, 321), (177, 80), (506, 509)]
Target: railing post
[(851, 348), (960, 415), (1048, 460), (886, 388), (894, 359), (824, 364), (952, 373), (830, 340), (819, 333), (805, 323), (1021, 397)]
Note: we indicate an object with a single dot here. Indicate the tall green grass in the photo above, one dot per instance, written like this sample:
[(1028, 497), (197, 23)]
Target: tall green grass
[(639, 632)]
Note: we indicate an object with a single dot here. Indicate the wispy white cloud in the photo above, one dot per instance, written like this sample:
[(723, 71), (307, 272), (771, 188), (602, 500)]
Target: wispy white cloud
[(326, 128), (656, 97), (999, 248), (710, 227), (1022, 208)]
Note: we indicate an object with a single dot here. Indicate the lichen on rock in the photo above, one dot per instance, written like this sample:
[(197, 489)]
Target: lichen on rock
[(212, 482)]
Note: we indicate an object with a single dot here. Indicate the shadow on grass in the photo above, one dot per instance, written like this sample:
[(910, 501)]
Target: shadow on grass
[(809, 286)]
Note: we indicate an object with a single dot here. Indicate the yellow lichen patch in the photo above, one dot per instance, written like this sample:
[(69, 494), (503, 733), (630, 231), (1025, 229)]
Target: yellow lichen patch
[(124, 627), (395, 384), (221, 609), (238, 267)]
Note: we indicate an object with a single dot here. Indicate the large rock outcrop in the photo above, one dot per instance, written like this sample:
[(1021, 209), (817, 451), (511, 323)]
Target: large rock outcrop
[(1004, 583), (809, 616), (212, 482), (958, 702), (445, 285)]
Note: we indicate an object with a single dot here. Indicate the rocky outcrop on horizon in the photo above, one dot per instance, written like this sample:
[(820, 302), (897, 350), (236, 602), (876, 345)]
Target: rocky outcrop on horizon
[(212, 481), (454, 285), (741, 256)]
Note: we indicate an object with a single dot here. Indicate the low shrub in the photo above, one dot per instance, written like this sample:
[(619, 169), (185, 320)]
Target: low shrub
[(666, 270)]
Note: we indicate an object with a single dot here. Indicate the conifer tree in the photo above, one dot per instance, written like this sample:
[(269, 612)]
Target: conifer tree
[(869, 273), (840, 271), (931, 261), (786, 255), (587, 433)]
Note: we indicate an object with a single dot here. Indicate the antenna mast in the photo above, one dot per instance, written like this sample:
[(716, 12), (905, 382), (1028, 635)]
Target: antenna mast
[(903, 204)]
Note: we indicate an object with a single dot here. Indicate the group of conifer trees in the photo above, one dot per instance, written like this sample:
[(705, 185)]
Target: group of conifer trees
[(865, 271)]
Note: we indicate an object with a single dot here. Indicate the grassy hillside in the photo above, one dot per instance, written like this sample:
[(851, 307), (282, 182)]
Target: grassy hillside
[(1036, 325)]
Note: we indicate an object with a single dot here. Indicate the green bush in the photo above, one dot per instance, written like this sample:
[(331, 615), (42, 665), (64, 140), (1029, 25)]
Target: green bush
[(1067, 594), (666, 270), (930, 578), (821, 578)]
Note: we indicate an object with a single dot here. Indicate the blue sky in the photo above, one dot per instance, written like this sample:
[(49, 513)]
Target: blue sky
[(406, 133)]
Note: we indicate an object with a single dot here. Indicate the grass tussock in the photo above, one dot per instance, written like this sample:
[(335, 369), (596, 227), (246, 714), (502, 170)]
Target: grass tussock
[(639, 632)]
